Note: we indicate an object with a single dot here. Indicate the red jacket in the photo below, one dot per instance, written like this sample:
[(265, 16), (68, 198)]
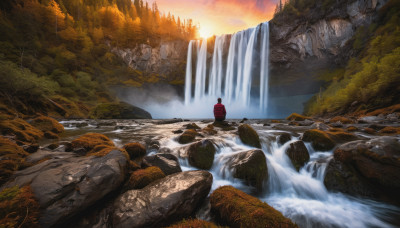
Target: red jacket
[(219, 111)]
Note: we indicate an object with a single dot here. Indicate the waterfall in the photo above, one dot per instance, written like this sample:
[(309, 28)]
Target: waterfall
[(237, 70)]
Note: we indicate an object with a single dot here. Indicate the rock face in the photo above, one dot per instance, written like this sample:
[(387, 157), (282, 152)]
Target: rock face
[(298, 154), (201, 154), (250, 166), (166, 59), (168, 163), (170, 198), (66, 185)]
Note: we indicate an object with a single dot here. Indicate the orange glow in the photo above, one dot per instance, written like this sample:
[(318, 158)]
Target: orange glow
[(216, 17)]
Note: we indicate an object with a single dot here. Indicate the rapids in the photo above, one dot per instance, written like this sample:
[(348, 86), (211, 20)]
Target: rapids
[(300, 196)]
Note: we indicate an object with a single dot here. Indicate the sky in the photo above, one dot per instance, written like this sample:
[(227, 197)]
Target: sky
[(218, 17)]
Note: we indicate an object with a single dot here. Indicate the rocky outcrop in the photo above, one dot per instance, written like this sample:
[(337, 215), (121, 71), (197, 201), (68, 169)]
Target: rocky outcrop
[(163, 201), (168, 163), (166, 59), (66, 184)]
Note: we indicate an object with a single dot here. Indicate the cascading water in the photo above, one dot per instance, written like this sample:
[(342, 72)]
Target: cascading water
[(240, 78)]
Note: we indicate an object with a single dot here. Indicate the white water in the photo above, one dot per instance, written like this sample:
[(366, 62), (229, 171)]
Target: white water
[(240, 79)]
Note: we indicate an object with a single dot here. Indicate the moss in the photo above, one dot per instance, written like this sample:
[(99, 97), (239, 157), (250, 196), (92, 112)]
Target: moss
[(142, 177), (225, 126), (135, 150), (249, 136), (297, 117), (385, 111), (193, 223), (50, 135), (239, 209), (369, 131), (47, 124), (90, 140), (209, 130), (341, 119), (192, 126), (18, 208), (351, 128), (187, 136), (320, 140), (22, 130), (201, 154), (342, 136), (12, 158), (390, 130)]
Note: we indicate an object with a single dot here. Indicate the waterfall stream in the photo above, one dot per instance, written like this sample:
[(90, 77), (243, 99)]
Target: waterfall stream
[(238, 74)]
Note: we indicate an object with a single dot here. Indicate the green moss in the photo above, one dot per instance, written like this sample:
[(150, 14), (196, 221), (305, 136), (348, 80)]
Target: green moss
[(249, 136), (201, 154), (239, 209), (297, 117), (142, 177), (319, 140)]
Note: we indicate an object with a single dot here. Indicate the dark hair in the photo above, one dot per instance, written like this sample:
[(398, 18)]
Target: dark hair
[(219, 100)]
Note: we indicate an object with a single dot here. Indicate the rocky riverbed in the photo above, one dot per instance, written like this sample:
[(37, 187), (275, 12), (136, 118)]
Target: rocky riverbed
[(338, 172)]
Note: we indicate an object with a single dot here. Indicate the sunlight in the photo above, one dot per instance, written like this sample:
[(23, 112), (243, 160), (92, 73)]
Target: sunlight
[(205, 33)]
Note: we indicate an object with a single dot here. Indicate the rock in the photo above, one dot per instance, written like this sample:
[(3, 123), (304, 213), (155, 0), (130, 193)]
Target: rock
[(143, 177), (225, 126), (284, 138), (376, 127), (297, 117), (306, 122), (32, 148), (341, 119), (80, 125), (298, 154), (53, 146), (187, 136), (243, 120), (201, 154), (319, 140), (162, 122), (119, 110), (50, 135), (250, 166), (249, 136), (351, 128), (168, 163), (370, 119), (163, 201), (42, 155), (64, 187), (135, 150), (177, 132), (209, 130), (336, 125), (192, 126), (238, 209), (320, 126)]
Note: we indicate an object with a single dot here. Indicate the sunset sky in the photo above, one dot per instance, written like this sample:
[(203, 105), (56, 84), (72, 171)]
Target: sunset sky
[(220, 16)]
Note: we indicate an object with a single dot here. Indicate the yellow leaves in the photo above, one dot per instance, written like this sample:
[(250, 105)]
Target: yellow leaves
[(69, 34)]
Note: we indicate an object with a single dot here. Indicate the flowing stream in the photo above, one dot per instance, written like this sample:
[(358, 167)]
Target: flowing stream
[(300, 196)]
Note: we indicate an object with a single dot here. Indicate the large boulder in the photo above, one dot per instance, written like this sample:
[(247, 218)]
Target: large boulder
[(135, 150), (298, 154), (201, 154), (249, 136), (168, 163), (65, 186), (284, 138), (119, 110), (319, 140), (163, 201), (239, 209), (250, 166)]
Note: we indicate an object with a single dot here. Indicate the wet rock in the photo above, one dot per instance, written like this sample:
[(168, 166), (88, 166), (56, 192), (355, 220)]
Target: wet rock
[(369, 131), (376, 127), (187, 136), (284, 138), (80, 125), (238, 209), (66, 186), (319, 140), (306, 122), (336, 125), (177, 132), (163, 201), (32, 148), (171, 121), (209, 130), (243, 120), (320, 126), (225, 126), (370, 119), (250, 166), (135, 150), (168, 163), (249, 136), (53, 146), (298, 154), (351, 128), (192, 126), (201, 154)]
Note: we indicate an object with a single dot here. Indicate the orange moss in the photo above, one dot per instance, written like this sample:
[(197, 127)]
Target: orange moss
[(341, 119), (193, 223), (90, 140), (209, 130), (296, 117), (142, 177), (352, 128), (21, 129), (192, 126), (249, 136), (341, 136), (239, 209), (135, 150), (335, 129), (385, 111), (45, 124), (275, 121), (187, 136), (18, 208), (369, 130), (320, 140), (390, 130), (12, 158)]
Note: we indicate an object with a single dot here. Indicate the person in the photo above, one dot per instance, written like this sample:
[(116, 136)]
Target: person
[(219, 111)]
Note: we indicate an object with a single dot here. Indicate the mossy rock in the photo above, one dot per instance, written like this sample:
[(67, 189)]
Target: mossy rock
[(50, 135), (351, 128), (18, 208), (193, 223), (201, 154), (319, 140), (298, 154), (187, 136), (284, 138), (47, 124), (390, 130), (142, 177), (297, 117), (12, 158), (192, 126), (135, 150), (342, 136), (209, 130), (239, 209), (90, 140), (21, 129), (341, 119), (120, 110), (249, 136)]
